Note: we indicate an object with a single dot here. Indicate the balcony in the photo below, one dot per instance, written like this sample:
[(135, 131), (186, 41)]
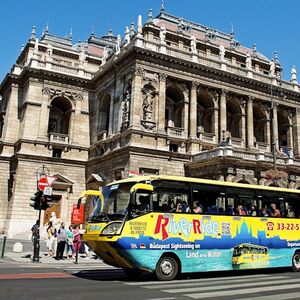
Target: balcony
[(264, 147), (58, 138), (102, 135), (237, 142), (176, 132), (207, 137)]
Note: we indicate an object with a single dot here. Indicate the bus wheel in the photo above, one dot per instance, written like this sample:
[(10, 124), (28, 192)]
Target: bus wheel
[(166, 268), (296, 262), (133, 273)]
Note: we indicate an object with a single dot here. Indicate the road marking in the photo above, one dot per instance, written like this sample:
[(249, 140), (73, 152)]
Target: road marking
[(276, 297), (192, 283), (198, 280), (229, 286), (243, 291), (170, 298), (35, 276)]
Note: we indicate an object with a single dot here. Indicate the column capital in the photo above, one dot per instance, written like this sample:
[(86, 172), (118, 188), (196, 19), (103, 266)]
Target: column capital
[(162, 76), (250, 98), (139, 71), (224, 92), (194, 84)]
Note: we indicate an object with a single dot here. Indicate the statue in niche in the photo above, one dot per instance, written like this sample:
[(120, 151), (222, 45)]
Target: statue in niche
[(82, 57), (148, 105), (49, 51), (127, 35), (118, 44), (162, 34), (104, 56), (248, 62), (126, 107), (272, 68), (53, 125)]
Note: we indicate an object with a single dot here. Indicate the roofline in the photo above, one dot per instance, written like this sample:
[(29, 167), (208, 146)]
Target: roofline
[(205, 181)]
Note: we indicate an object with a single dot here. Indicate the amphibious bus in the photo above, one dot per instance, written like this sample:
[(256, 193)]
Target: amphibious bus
[(170, 225)]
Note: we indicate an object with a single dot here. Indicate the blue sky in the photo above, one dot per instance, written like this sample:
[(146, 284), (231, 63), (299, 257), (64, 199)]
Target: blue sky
[(271, 24)]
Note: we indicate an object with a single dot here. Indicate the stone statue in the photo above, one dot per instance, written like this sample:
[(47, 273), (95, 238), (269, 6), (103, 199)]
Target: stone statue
[(162, 34), (55, 221), (148, 106), (82, 57), (49, 51), (127, 35), (248, 62), (294, 74), (272, 68), (222, 52), (193, 44), (118, 44), (126, 107), (104, 56)]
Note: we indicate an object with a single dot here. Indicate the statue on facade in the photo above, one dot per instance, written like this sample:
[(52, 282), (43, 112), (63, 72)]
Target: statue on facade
[(248, 62), (127, 35), (272, 68), (162, 34), (193, 44), (148, 106), (49, 52), (55, 221), (104, 56), (294, 74), (126, 107), (82, 57), (118, 44), (222, 52)]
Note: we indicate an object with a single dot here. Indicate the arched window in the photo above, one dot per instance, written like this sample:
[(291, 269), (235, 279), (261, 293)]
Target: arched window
[(104, 107), (260, 124), (234, 118), (174, 107), (59, 117), (205, 113), (283, 128)]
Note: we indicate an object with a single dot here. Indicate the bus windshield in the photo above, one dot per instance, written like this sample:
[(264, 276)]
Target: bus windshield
[(116, 201)]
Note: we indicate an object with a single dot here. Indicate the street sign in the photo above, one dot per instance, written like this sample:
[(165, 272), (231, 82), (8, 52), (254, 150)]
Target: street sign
[(45, 181), (48, 191)]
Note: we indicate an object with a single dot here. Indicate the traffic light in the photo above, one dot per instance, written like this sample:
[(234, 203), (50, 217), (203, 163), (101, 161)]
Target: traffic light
[(37, 200), (45, 202)]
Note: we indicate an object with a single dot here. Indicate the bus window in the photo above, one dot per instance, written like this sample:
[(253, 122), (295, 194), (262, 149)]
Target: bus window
[(241, 201), (292, 205), (208, 199), (170, 201), (270, 204)]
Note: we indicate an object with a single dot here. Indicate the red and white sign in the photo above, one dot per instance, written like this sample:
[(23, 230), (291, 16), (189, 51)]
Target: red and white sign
[(77, 216), (46, 181)]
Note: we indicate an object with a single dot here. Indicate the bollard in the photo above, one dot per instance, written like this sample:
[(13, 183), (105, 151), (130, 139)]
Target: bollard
[(18, 247), (76, 256), (3, 247)]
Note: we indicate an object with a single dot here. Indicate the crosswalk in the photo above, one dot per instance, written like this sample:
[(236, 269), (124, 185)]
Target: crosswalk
[(246, 287)]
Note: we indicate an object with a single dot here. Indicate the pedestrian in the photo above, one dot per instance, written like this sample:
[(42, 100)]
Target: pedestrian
[(35, 230), (76, 240), (62, 238), (51, 231), (70, 242)]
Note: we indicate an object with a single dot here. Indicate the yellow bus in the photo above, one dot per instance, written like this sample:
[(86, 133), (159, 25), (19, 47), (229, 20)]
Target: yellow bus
[(170, 225), (249, 253)]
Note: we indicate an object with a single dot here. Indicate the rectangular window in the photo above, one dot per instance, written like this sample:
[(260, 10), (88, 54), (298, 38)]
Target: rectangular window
[(56, 153), (292, 205), (270, 204)]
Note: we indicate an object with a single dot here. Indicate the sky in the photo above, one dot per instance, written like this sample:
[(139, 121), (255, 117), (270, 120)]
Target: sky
[(273, 25)]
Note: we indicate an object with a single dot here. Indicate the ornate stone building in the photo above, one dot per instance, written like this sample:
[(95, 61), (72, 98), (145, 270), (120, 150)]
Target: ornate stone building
[(172, 97)]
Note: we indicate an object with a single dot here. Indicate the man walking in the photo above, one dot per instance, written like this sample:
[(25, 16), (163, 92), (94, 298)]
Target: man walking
[(62, 238)]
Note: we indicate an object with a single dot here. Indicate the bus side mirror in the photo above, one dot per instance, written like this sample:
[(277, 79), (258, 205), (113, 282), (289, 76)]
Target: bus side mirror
[(78, 203)]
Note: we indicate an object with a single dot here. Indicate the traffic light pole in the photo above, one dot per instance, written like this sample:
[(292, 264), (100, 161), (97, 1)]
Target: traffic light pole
[(36, 240)]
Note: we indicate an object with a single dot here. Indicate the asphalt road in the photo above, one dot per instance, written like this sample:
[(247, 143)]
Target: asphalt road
[(26, 282)]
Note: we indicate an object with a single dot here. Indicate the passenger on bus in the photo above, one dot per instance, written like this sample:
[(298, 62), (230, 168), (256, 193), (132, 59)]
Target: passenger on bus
[(197, 208), (253, 211), (274, 211), (290, 212), (264, 213), (145, 203), (240, 211), (230, 210)]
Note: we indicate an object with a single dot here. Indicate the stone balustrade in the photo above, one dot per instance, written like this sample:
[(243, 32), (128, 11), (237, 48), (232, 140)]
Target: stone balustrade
[(176, 132), (207, 137), (58, 138)]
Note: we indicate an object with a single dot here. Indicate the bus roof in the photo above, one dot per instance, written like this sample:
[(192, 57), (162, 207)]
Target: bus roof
[(204, 181)]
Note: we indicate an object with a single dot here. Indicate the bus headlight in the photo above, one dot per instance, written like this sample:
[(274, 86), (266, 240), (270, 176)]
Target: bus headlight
[(112, 228)]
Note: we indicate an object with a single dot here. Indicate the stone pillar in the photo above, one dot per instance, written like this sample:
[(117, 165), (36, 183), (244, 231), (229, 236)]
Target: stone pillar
[(136, 99), (162, 102), (111, 112), (296, 132), (250, 132), (216, 117), (193, 111), (275, 125), (223, 111), (186, 116), (268, 133)]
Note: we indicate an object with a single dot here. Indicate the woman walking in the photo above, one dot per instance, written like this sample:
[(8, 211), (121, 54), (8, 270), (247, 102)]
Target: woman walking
[(70, 242), (76, 240)]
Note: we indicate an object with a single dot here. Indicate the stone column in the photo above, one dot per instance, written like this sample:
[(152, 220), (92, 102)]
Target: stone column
[(216, 117), (136, 99), (243, 135), (186, 116), (223, 111), (250, 133), (111, 112), (268, 133), (162, 102), (193, 110), (296, 132)]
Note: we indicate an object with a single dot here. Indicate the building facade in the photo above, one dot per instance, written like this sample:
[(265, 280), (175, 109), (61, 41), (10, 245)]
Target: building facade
[(172, 97)]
